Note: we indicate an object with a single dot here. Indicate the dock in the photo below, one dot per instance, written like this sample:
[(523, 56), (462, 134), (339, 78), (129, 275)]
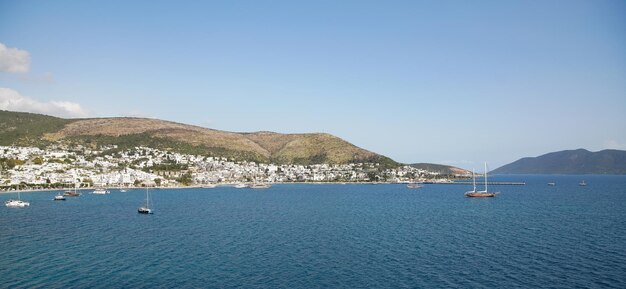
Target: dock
[(477, 183)]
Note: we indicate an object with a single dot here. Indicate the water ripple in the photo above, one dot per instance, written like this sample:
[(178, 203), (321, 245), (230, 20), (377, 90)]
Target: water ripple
[(306, 236)]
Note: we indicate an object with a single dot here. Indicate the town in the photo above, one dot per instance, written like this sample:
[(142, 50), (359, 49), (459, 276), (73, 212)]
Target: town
[(60, 166)]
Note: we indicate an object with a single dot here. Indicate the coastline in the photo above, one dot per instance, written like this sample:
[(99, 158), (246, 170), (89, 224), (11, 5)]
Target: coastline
[(198, 186)]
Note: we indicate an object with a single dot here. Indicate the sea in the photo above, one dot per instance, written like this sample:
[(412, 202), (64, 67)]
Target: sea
[(323, 236)]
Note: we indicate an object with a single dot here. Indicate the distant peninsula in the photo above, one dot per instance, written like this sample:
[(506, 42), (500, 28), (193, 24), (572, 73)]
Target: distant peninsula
[(580, 161)]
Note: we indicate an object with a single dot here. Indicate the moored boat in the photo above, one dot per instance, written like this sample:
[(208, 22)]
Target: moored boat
[(16, 203), (13, 203), (71, 194), (479, 194), (101, 191), (260, 186), (145, 209)]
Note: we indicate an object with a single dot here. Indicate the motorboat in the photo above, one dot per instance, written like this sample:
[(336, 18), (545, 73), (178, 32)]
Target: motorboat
[(101, 191)]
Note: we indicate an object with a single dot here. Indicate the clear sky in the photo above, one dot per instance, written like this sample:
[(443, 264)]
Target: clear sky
[(454, 82)]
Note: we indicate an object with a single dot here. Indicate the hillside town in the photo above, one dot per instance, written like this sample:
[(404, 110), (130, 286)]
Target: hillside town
[(109, 166)]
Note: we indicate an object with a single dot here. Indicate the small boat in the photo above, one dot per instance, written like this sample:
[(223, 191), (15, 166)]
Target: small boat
[(479, 194), (59, 197), (16, 203), (582, 184), (209, 186), (414, 186), (551, 184), (12, 203), (146, 209), (241, 186), (260, 186), (69, 193), (101, 191)]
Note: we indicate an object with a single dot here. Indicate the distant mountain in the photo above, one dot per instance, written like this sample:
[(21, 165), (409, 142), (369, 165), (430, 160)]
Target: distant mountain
[(578, 161), (28, 129), (442, 169)]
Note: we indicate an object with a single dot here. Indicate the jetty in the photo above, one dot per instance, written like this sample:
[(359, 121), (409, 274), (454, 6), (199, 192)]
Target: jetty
[(477, 183)]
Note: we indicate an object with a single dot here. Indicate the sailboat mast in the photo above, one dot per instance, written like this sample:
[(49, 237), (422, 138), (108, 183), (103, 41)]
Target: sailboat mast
[(486, 190), (474, 180)]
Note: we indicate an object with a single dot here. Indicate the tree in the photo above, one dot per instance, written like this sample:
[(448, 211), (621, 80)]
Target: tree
[(157, 181), (88, 181), (185, 179)]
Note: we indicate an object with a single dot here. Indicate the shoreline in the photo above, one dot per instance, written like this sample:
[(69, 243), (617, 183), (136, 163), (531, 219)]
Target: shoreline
[(197, 186)]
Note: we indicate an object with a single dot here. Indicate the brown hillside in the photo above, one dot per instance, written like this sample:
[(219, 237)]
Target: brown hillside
[(276, 147)]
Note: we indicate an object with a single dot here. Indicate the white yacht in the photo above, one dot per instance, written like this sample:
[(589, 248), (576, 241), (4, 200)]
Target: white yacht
[(241, 186), (59, 197), (260, 186), (12, 203), (101, 191)]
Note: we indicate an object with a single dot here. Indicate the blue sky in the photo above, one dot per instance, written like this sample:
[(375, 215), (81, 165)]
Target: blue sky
[(454, 82)]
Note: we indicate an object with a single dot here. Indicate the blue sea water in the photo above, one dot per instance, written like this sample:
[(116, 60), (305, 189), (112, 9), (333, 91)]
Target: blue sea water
[(310, 236)]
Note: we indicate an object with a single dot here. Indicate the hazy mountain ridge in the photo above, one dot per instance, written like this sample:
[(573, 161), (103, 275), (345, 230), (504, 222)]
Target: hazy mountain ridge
[(578, 161), (37, 130)]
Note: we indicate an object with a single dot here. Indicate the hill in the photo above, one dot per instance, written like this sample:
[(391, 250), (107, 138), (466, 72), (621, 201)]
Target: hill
[(30, 129), (442, 169), (578, 161), (26, 129)]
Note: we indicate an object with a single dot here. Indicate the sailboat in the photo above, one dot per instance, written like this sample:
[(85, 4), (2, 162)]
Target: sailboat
[(70, 193), (146, 209), (12, 203), (479, 194)]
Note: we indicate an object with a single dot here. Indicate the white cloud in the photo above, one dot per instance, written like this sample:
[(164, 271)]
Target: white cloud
[(12, 100), (14, 60)]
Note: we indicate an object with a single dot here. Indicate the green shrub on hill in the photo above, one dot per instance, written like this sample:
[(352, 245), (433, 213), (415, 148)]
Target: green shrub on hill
[(26, 129)]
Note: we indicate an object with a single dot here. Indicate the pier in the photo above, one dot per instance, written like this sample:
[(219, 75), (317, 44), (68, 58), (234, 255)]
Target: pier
[(477, 183)]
